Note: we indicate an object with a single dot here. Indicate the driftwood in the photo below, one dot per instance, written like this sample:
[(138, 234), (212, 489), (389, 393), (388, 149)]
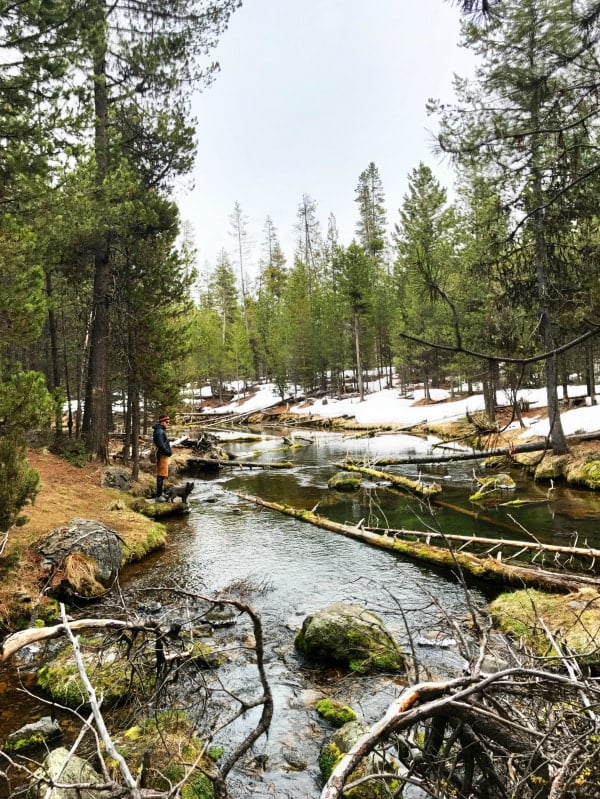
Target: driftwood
[(482, 568), (496, 543), (18, 640), (397, 480)]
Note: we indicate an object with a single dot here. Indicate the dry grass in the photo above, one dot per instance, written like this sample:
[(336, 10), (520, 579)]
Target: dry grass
[(69, 491), (66, 492)]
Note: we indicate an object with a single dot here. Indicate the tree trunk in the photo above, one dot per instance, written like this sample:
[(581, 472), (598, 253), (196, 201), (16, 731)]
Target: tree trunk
[(97, 399), (589, 371), (359, 372)]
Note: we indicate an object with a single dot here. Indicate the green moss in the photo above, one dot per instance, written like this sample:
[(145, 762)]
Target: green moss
[(47, 611), (169, 738), (156, 538), (329, 757), (113, 678), (335, 712), (27, 742), (493, 487), (345, 481), (576, 616), (586, 474)]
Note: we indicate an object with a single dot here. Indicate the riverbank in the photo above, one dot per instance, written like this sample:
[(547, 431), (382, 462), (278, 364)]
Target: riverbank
[(66, 492)]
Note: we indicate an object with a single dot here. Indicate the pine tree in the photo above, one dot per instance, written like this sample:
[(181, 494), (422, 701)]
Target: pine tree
[(424, 268), (371, 226), (526, 123)]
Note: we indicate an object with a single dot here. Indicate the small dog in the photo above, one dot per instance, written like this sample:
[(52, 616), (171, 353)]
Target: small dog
[(182, 491)]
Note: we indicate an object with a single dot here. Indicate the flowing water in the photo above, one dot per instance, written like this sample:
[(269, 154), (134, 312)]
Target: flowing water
[(289, 569)]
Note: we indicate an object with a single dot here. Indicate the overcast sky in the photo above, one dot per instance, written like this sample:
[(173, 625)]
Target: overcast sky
[(309, 93)]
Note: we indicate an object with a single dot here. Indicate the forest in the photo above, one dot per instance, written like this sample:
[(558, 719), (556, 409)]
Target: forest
[(102, 304), (102, 308)]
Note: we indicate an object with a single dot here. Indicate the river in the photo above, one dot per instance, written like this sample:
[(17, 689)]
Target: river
[(288, 569)]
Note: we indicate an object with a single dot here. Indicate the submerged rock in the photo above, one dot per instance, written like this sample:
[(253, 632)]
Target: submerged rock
[(345, 481)]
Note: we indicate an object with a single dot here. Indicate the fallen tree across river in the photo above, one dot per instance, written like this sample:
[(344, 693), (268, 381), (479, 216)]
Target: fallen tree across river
[(482, 568)]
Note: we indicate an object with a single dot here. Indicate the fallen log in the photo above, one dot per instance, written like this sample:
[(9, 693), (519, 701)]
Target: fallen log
[(397, 480), (480, 454), (213, 464), (538, 546), (462, 455), (12, 643), (482, 568)]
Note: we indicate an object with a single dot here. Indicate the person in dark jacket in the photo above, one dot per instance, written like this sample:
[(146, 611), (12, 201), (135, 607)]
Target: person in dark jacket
[(163, 453)]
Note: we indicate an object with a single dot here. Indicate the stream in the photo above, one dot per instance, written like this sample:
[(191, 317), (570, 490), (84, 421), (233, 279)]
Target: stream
[(288, 569)]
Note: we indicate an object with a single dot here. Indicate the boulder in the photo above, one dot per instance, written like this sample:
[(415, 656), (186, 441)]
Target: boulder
[(32, 735), (72, 770), (345, 481), (81, 559), (116, 477), (352, 636)]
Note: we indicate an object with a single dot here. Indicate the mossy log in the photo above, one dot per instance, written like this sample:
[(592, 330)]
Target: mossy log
[(397, 480), (159, 510), (482, 568)]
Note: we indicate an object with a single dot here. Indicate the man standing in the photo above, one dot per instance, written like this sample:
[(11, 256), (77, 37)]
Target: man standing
[(163, 453)]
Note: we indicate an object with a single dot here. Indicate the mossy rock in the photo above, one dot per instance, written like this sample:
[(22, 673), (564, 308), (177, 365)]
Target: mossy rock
[(33, 735), (61, 765), (345, 481), (340, 743), (492, 487), (113, 677), (351, 636), (552, 467), (158, 510), (584, 473), (574, 618), (335, 712), (168, 744)]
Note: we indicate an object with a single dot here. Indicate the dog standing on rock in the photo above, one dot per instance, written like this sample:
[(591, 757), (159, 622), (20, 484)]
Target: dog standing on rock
[(182, 491)]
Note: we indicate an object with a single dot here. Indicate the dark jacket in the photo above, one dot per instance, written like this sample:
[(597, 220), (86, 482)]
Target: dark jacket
[(161, 441)]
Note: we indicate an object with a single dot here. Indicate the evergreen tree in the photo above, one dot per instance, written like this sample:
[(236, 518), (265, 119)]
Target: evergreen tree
[(309, 246), (371, 226), (424, 269), (527, 122), (141, 58), (356, 288), (239, 232)]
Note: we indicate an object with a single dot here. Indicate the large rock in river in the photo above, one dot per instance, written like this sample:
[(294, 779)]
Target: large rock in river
[(83, 558), (352, 636)]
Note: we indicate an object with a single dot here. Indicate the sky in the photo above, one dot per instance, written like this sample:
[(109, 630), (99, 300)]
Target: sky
[(309, 93)]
